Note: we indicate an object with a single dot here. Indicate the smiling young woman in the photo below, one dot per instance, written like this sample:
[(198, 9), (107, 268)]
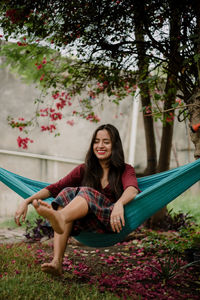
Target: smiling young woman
[(90, 198)]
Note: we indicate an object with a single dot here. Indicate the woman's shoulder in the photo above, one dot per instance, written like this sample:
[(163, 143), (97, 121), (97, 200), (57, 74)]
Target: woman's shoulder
[(128, 170), (79, 169), (81, 166), (128, 167), (76, 173)]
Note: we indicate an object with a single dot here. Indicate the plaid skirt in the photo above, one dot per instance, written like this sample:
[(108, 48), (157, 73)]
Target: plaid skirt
[(100, 208)]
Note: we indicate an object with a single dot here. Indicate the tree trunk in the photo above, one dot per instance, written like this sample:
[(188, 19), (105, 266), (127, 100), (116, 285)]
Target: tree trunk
[(150, 139), (165, 150), (170, 94), (194, 111), (167, 131), (195, 119), (143, 66)]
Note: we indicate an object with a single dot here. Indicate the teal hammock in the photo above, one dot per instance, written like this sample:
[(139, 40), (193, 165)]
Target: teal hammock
[(157, 191)]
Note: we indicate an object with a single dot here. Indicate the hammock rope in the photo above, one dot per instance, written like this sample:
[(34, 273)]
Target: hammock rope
[(157, 191)]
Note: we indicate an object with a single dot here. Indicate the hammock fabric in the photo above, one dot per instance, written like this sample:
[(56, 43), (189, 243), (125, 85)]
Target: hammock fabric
[(157, 191)]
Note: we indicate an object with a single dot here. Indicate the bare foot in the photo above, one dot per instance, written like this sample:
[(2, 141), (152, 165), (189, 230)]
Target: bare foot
[(54, 268), (55, 217)]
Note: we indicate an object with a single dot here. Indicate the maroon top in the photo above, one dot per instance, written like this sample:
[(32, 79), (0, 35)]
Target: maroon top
[(75, 177)]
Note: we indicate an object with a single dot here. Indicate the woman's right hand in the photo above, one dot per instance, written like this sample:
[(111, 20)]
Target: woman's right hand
[(21, 212)]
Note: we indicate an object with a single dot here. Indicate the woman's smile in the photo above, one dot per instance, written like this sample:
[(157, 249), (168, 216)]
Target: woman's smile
[(101, 152), (102, 146)]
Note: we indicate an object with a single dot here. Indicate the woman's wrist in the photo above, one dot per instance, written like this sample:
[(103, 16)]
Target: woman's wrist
[(28, 201), (119, 201)]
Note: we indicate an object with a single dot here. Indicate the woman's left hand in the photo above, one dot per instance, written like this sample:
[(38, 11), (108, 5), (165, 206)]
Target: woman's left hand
[(117, 217)]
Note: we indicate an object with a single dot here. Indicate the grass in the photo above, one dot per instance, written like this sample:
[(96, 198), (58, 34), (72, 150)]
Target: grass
[(40, 286), (21, 278), (187, 203)]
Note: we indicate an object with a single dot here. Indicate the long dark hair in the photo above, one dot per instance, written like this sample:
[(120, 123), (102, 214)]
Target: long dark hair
[(116, 163)]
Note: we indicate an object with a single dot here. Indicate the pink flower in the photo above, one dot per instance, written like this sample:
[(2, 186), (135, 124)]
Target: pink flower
[(148, 109), (170, 118), (55, 116), (44, 112), (70, 122), (179, 101), (42, 77), (50, 128), (61, 104), (39, 66), (55, 96), (22, 142)]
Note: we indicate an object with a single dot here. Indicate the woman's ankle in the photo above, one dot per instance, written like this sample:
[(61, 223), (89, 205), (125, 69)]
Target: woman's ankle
[(57, 261)]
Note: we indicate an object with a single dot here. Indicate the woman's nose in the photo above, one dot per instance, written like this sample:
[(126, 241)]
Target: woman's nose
[(100, 144)]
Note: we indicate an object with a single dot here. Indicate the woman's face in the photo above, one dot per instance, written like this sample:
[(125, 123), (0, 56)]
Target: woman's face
[(102, 145)]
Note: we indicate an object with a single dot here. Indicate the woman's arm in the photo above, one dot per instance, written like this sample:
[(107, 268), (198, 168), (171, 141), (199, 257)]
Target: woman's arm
[(117, 215), (23, 207), (42, 194), (128, 195), (74, 178)]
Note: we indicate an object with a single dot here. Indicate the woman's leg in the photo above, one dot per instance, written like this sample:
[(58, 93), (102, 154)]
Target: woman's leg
[(60, 242), (76, 209)]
